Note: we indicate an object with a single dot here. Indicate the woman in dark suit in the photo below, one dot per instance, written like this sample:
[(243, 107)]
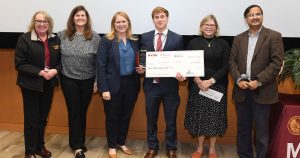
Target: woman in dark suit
[(37, 60), (118, 81)]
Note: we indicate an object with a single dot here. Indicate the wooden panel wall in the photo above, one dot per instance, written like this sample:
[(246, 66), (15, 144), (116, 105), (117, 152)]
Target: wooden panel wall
[(11, 110)]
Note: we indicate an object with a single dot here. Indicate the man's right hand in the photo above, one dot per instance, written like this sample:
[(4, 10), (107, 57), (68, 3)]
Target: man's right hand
[(243, 84)]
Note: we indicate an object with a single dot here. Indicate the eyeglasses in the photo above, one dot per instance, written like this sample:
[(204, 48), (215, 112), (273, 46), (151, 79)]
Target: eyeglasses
[(209, 25), (254, 15), (41, 22)]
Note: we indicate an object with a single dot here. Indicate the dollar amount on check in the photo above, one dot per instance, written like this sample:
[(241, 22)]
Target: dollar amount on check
[(168, 63)]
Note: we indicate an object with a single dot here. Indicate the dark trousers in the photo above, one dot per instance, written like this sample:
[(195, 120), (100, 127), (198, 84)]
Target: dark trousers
[(118, 111), (250, 113), (78, 94), (170, 102), (36, 109)]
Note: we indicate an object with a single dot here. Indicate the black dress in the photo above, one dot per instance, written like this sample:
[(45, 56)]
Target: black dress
[(204, 116)]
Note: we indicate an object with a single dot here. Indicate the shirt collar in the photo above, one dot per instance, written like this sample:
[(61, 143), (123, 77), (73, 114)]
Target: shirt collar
[(165, 32), (34, 36), (255, 34)]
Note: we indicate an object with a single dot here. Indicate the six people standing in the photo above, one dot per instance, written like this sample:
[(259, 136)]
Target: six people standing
[(118, 80), (255, 60), (79, 44)]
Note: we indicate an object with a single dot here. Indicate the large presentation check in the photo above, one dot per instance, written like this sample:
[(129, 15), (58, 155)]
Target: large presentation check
[(167, 63)]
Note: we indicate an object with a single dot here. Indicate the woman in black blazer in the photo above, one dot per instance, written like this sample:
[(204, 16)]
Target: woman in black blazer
[(118, 81), (37, 60)]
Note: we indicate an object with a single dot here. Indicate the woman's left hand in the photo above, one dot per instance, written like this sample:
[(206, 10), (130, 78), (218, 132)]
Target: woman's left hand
[(50, 74), (95, 89), (140, 69), (206, 84)]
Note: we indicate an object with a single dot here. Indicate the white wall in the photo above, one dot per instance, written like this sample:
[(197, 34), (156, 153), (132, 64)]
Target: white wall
[(184, 19)]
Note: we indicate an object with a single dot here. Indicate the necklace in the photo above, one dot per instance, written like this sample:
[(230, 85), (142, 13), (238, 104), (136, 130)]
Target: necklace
[(209, 42), (78, 33)]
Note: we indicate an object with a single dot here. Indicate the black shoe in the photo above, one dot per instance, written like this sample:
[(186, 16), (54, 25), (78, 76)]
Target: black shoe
[(84, 149), (44, 153), (79, 154)]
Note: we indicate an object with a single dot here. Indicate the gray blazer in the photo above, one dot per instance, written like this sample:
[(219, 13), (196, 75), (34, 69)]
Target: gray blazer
[(265, 66)]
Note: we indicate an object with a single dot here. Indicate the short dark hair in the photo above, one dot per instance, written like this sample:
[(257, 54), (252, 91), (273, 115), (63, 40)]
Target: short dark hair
[(250, 7)]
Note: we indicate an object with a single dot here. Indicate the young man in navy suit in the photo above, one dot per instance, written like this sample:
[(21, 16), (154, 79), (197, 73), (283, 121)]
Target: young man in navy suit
[(161, 89)]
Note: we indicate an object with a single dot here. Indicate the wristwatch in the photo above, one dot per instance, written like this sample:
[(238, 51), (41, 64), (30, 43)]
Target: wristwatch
[(259, 83)]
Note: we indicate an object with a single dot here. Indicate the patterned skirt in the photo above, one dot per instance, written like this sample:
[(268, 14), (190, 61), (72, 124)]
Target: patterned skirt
[(204, 116)]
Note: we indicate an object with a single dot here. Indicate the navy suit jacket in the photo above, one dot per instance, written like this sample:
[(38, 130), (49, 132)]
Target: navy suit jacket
[(174, 42), (108, 65)]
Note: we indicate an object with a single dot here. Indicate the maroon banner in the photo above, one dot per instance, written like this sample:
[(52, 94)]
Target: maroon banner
[(285, 141)]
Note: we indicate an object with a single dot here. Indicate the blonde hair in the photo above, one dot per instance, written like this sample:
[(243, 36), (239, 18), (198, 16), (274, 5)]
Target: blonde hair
[(113, 33), (47, 17), (207, 18)]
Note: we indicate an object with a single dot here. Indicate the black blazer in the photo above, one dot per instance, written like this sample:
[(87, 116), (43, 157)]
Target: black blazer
[(108, 65), (30, 60), (174, 42)]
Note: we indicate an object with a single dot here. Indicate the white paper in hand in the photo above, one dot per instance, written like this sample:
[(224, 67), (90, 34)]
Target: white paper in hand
[(212, 94)]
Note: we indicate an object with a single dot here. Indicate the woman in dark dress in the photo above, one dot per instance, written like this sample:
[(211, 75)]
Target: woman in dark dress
[(206, 117)]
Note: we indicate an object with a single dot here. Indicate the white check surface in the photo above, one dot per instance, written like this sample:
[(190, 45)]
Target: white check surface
[(168, 63)]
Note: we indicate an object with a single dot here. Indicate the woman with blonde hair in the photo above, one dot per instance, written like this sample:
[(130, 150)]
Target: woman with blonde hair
[(206, 117), (118, 81), (37, 60)]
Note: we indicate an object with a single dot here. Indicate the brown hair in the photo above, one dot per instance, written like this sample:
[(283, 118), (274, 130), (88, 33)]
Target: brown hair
[(159, 9), (112, 34), (71, 29), (47, 17), (207, 18)]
